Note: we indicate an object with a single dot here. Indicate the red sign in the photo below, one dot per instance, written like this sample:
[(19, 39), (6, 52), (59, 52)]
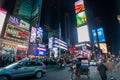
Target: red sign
[(16, 33)]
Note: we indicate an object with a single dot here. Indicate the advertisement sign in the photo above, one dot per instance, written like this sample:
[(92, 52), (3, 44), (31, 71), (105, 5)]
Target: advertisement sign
[(79, 6), (101, 35), (81, 18), (84, 62), (39, 34), (33, 35), (2, 18), (94, 35), (24, 25), (16, 33), (14, 20), (40, 51), (50, 43), (103, 47), (83, 34)]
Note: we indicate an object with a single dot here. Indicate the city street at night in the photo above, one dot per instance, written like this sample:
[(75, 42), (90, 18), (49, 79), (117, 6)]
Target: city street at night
[(59, 39), (65, 74)]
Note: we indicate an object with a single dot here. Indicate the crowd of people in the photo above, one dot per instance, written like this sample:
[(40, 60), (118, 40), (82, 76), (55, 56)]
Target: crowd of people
[(108, 66), (6, 60)]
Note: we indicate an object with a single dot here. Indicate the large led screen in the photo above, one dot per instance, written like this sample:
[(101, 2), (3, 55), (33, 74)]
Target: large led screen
[(39, 33), (101, 35), (79, 6), (14, 20), (2, 18), (40, 51), (16, 33), (33, 35), (83, 34), (81, 18), (24, 25), (103, 47), (94, 35)]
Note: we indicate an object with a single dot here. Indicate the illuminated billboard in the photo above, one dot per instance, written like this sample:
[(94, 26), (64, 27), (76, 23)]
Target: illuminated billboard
[(16, 33), (14, 20), (24, 25), (94, 35), (83, 33), (33, 35), (2, 18), (39, 34), (103, 47), (40, 51), (100, 33), (81, 18), (79, 6)]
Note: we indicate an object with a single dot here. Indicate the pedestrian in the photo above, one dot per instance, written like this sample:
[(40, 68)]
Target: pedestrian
[(111, 66), (118, 67), (77, 71), (102, 70)]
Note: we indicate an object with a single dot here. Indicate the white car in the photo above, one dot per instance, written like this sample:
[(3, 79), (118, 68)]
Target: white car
[(93, 63)]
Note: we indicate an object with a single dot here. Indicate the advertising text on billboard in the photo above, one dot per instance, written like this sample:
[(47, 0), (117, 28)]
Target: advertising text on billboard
[(16, 33)]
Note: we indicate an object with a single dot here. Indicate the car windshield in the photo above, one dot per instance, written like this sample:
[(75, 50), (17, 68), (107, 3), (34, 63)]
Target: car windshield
[(11, 65)]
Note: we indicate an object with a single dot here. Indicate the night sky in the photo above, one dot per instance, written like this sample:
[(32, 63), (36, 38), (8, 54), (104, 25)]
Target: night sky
[(103, 13)]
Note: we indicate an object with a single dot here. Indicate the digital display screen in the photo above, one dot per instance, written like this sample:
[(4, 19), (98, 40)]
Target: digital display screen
[(81, 19), (79, 6), (101, 35), (33, 35), (16, 33), (40, 51), (14, 20), (103, 47), (2, 18), (94, 35), (39, 33), (24, 25), (83, 33)]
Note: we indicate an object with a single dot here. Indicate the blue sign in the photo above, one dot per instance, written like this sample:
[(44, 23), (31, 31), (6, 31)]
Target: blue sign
[(101, 37), (94, 34), (40, 51)]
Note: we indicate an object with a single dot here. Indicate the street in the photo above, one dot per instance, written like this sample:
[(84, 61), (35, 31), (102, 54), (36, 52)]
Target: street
[(65, 74)]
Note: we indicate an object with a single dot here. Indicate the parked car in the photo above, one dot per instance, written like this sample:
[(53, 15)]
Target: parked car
[(93, 62), (22, 69)]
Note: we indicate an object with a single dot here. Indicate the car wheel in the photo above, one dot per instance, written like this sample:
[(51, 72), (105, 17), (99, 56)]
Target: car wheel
[(38, 74), (4, 78)]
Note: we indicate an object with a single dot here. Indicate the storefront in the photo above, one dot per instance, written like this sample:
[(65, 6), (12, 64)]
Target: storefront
[(11, 48)]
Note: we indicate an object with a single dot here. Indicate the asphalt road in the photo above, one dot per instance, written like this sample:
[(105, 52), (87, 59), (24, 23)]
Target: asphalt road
[(65, 74)]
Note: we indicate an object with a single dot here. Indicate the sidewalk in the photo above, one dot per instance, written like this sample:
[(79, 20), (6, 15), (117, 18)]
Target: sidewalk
[(116, 75)]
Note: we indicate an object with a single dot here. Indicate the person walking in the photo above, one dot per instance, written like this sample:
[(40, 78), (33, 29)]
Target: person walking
[(111, 66), (102, 70)]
